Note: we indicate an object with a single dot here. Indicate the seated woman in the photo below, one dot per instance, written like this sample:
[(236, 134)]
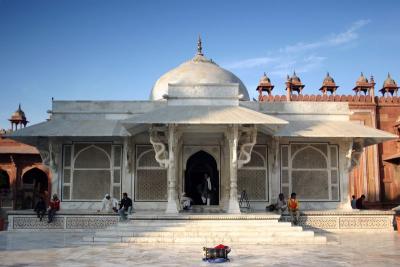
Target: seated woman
[(186, 202)]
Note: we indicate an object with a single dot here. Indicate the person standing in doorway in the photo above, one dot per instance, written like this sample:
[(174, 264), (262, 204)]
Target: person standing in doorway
[(125, 207), (206, 189), (293, 207)]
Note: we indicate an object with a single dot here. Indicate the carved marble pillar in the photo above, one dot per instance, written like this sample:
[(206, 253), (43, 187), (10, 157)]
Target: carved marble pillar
[(273, 167), (172, 205), (233, 204), (128, 163), (55, 148), (352, 156)]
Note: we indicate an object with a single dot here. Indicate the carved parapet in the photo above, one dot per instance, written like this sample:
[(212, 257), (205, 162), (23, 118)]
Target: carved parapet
[(157, 134), (329, 98), (389, 99), (249, 134)]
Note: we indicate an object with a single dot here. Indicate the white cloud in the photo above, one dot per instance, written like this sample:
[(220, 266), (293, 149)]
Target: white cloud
[(287, 58), (252, 62), (305, 64), (333, 40)]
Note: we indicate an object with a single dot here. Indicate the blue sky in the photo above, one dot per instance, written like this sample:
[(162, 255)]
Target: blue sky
[(116, 50)]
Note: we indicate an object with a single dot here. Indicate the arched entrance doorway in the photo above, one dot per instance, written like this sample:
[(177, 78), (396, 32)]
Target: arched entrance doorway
[(35, 183), (5, 190), (197, 165), (4, 181)]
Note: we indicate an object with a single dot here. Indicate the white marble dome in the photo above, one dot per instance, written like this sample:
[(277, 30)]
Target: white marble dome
[(198, 70)]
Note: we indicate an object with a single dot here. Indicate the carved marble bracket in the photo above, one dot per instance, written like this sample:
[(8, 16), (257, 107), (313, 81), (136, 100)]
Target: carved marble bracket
[(354, 153), (275, 148), (55, 153), (128, 150), (44, 150), (249, 136), (157, 134), (49, 151)]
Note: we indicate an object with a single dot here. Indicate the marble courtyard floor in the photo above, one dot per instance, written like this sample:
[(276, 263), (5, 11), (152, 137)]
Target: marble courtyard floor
[(65, 249)]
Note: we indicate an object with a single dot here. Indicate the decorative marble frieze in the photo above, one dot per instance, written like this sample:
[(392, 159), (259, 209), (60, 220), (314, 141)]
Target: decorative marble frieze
[(365, 223), (90, 222), (317, 221), (32, 222), (345, 220), (63, 222)]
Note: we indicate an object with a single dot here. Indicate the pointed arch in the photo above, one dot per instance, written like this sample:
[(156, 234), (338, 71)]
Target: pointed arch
[(97, 160), (310, 160)]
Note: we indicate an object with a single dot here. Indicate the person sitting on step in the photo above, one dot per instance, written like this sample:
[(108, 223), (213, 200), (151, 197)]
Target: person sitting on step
[(40, 208), (109, 204), (360, 203), (281, 204), (293, 207), (125, 207), (54, 206), (186, 202), (353, 202)]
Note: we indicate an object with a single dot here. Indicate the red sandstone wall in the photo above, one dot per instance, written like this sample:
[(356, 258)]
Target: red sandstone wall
[(388, 111), (365, 179)]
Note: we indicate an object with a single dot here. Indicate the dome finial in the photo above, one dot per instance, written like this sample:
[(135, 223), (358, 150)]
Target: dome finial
[(199, 47), (389, 75)]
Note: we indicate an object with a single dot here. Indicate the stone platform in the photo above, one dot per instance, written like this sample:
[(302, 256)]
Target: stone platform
[(320, 221)]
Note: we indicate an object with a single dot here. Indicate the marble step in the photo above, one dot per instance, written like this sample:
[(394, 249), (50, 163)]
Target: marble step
[(211, 241), (202, 222), (202, 234), (275, 228)]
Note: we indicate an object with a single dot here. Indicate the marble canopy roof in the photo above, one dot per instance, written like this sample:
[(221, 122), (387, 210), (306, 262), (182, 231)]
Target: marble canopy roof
[(126, 118), (205, 115), (334, 129), (59, 127)]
